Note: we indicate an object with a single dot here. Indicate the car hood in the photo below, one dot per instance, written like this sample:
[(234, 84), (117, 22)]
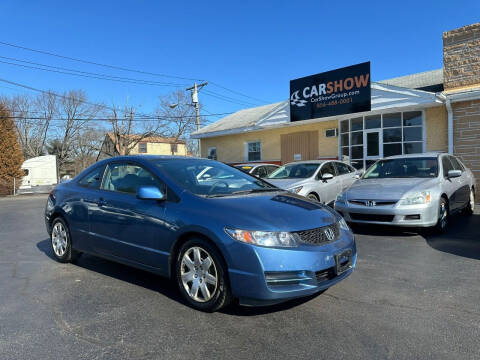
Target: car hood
[(386, 189), (275, 211), (286, 183)]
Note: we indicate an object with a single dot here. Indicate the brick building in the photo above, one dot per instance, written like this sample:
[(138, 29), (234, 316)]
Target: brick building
[(437, 110)]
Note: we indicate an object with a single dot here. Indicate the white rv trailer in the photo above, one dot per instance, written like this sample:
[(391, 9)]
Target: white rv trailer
[(41, 170)]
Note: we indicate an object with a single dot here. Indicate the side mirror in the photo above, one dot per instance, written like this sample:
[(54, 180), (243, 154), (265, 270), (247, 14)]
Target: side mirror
[(150, 193), (358, 176), (454, 173), (327, 176)]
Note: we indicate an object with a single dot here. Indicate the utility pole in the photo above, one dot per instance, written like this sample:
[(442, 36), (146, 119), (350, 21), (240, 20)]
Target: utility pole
[(194, 92)]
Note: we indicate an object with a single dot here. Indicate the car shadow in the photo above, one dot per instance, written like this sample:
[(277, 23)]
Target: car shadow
[(462, 237), (121, 272), (161, 284), (382, 230)]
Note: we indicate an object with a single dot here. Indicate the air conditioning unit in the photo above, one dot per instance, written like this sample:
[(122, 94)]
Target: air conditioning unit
[(331, 132)]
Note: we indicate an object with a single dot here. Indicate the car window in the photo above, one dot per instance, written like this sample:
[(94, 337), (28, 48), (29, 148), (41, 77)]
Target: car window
[(342, 168), (127, 178), (227, 181), (92, 179), (456, 164), (260, 171), (328, 168), (271, 168), (403, 168), (446, 165), (294, 171)]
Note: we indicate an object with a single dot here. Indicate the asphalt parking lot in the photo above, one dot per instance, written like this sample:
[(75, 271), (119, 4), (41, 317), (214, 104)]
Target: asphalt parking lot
[(411, 297)]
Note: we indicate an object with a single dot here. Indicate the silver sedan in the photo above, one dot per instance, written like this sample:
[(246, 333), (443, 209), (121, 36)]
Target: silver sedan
[(410, 190), (319, 180)]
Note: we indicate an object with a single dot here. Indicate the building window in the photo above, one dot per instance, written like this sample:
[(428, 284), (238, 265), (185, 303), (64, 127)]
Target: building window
[(142, 147), (212, 153), (391, 134), (173, 148), (254, 151)]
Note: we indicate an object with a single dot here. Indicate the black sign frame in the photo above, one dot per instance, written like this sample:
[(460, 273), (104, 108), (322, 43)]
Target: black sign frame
[(335, 92)]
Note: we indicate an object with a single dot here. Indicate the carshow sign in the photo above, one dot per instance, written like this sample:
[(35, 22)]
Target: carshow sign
[(335, 92)]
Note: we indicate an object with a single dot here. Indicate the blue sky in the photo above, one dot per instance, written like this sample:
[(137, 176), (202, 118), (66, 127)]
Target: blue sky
[(253, 47)]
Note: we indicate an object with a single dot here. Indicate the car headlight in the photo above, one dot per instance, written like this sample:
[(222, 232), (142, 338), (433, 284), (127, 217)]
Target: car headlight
[(343, 224), (263, 238), (296, 189), (416, 198)]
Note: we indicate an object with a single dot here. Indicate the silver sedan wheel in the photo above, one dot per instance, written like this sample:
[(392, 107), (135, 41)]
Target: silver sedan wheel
[(59, 239), (443, 213), (472, 200), (199, 274)]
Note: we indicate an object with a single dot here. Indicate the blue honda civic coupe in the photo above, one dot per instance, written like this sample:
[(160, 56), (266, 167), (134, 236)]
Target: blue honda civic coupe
[(218, 232)]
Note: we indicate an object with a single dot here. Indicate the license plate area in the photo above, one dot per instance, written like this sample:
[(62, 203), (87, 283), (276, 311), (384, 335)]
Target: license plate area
[(343, 261)]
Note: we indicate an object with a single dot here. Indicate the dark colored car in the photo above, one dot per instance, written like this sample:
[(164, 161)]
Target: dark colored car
[(232, 237), (257, 169)]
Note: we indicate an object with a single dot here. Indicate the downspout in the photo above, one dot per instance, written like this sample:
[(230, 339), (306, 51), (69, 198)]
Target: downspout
[(450, 124)]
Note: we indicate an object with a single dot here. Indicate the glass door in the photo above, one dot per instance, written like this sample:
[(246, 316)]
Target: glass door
[(372, 149)]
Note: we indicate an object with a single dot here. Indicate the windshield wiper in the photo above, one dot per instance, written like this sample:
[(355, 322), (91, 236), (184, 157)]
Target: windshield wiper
[(250, 191)]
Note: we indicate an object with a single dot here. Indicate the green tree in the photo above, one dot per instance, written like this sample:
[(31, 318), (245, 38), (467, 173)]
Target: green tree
[(11, 157)]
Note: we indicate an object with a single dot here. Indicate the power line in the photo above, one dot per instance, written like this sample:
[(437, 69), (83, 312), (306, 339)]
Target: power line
[(127, 69), (96, 63), (227, 99), (142, 116), (62, 70), (110, 119), (115, 78), (238, 93)]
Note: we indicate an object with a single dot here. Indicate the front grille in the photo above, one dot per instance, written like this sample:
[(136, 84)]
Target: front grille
[(373, 202), (319, 235), (325, 275), (372, 217)]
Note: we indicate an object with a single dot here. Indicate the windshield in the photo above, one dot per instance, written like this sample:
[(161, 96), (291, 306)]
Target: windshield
[(211, 178), (403, 168), (294, 171)]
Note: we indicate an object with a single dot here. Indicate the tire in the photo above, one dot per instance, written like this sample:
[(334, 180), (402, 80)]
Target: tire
[(61, 242), (313, 197), (443, 214), (203, 283), (471, 204)]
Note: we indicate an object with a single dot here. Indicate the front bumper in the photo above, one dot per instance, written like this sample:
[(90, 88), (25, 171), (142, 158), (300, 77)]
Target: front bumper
[(275, 275), (408, 216)]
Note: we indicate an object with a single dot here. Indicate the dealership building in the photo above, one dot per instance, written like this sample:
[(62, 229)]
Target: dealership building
[(436, 110)]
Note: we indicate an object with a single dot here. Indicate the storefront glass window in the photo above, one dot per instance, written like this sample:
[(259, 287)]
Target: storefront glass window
[(392, 120), (398, 133), (357, 138), (357, 124), (412, 118), (344, 126), (373, 121)]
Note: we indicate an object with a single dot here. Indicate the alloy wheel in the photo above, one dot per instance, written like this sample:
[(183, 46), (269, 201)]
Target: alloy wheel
[(59, 239), (443, 215), (199, 274), (472, 201)]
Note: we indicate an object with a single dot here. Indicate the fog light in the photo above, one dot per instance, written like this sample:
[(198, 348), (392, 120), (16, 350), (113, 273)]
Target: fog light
[(412, 217)]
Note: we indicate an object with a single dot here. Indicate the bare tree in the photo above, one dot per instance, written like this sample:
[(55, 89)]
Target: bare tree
[(32, 120), (179, 114), (76, 113), (86, 145), (128, 130)]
